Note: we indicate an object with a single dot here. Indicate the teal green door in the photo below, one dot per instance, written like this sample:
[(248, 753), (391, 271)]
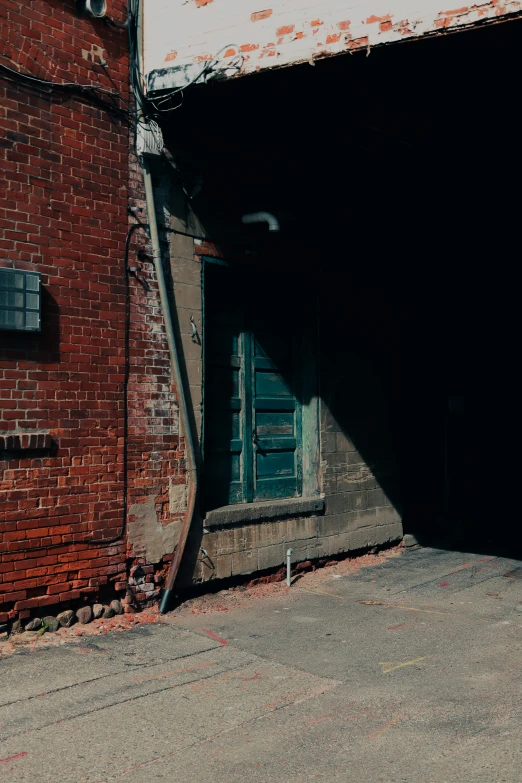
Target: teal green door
[(252, 413), (224, 409), (276, 416)]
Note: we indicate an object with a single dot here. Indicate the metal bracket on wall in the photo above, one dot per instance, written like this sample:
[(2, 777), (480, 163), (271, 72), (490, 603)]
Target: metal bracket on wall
[(194, 336)]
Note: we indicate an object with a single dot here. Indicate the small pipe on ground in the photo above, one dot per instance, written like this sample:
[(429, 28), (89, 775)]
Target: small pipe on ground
[(289, 566)]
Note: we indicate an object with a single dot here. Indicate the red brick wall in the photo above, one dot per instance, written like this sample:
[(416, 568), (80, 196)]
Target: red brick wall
[(64, 159)]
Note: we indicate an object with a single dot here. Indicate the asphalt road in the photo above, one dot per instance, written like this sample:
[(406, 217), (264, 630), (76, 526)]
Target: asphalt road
[(409, 670)]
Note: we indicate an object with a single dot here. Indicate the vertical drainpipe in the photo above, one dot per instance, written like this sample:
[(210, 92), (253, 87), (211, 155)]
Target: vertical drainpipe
[(186, 429), (180, 390)]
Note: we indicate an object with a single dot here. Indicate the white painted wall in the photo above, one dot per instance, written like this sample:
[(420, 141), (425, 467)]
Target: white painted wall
[(273, 33)]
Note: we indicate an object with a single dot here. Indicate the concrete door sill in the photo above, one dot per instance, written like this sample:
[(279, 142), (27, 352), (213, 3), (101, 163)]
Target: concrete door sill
[(258, 512)]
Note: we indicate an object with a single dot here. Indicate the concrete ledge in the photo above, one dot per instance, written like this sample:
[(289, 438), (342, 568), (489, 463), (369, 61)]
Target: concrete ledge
[(257, 512)]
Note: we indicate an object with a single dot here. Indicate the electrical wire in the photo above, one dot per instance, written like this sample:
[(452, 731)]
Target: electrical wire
[(95, 93), (209, 66), (146, 108), (57, 85), (119, 536), (133, 10)]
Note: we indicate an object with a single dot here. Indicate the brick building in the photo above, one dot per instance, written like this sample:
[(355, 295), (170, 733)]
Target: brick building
[(321, 383), (86, 425)]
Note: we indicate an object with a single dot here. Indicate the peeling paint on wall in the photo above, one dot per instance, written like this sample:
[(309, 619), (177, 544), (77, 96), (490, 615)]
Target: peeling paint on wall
[(177, 497), (289, 32), (146, 536)]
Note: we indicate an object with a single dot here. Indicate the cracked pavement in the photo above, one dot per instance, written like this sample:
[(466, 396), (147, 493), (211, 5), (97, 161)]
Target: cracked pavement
[(408, 669)]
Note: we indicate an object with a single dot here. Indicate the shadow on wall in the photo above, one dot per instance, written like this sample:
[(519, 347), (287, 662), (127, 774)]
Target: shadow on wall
[(360, 385)]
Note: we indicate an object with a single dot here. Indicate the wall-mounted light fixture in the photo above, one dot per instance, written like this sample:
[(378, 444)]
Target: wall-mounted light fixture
[(95, 8)]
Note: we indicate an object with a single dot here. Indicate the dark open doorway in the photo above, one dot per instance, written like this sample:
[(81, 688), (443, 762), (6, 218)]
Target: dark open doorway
[(394, 177)]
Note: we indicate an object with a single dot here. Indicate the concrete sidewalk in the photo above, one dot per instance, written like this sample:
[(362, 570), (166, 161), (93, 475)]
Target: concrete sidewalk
[(407, 670)]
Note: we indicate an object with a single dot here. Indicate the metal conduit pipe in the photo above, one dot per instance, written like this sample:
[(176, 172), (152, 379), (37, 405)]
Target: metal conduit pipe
[(262, 217), (176, 372)]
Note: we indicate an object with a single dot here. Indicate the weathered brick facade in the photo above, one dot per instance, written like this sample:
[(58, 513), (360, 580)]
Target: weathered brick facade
[(93, 474), (65, 169), (93, 482), (85, 511)]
